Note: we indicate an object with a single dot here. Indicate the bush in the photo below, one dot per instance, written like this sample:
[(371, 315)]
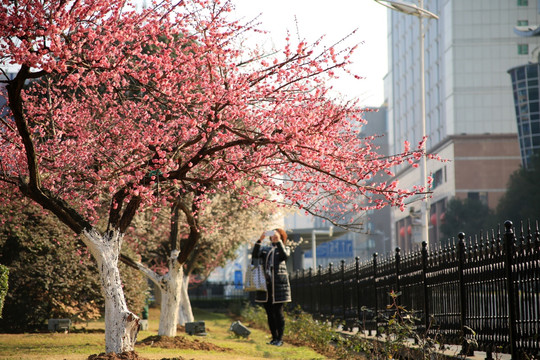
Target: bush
[(51, 275), (233, 306), (4, 273), (301, 329)]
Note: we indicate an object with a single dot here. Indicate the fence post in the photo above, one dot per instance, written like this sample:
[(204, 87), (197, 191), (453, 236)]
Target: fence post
[(424, 279), (343, 292), (312, 291), (304, 303), (357, 287), (509, 247), (331, 292), (320, 291), (398, 261), (376, 317), (465, 348), (294, 287)]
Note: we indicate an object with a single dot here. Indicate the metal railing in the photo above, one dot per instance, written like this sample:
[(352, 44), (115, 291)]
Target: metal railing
[(212, 290), (487, 289)]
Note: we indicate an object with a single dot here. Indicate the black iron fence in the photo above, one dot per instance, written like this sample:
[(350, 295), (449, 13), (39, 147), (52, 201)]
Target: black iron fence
[(221, 290), (486, 289)]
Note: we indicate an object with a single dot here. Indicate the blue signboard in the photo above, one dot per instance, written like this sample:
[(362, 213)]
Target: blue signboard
[(238, 281), (333, 249)]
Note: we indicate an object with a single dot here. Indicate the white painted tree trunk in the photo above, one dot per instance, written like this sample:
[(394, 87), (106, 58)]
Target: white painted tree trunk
[(185, 312), (121, 325), (171, 285)]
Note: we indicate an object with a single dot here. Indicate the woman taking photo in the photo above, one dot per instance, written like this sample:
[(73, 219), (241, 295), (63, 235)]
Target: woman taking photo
[(274, 261)]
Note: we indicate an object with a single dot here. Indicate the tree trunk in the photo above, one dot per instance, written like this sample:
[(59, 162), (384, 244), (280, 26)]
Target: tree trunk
[(121, 325), (185, 312), (171, 285)]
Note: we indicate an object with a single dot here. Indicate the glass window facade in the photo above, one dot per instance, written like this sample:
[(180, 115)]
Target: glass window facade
[(523, 49), (523, 2), (527, 105)]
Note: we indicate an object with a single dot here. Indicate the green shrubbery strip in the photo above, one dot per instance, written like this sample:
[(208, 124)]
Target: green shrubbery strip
[(302, 330), (396, 332), (4, 274)]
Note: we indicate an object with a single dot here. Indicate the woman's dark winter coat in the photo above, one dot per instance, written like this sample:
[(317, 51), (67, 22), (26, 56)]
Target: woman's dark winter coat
[(275, 256)]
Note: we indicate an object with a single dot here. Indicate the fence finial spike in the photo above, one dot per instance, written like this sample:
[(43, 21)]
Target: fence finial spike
[(537, 234), (508, 225)]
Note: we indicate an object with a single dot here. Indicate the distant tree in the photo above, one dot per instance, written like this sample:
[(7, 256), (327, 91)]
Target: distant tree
[(223, 225), (51, 275), (521, 202), (466, 215)]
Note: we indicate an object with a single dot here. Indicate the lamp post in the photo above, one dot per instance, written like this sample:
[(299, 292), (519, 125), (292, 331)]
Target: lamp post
[(421, 13), (314, 234)]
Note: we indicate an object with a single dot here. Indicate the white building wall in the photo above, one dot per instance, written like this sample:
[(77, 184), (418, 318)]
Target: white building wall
[(411, 177), (468, 51), (467, 54)]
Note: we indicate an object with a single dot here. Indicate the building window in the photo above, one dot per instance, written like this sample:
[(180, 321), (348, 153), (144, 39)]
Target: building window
[(523, 49), (523, 2), (438, 178), (522, 22), (481, 196)]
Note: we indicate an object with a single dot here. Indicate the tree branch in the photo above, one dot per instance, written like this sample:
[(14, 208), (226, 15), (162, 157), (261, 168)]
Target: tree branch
[(140, 267), (187, 246)]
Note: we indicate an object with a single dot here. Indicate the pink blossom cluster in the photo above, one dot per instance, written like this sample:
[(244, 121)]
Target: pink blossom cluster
[(110, 104)]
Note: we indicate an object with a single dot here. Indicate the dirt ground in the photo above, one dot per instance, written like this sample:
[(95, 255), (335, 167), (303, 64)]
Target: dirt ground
[(180, 342), (177, 342)]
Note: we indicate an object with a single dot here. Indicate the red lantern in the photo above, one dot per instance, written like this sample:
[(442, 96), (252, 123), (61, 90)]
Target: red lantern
[(409, 229), (434, 219), (402, 231)]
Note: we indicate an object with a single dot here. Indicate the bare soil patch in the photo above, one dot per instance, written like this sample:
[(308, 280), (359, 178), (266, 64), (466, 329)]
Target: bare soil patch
[(177, 342), (128, 355), (180, 342)]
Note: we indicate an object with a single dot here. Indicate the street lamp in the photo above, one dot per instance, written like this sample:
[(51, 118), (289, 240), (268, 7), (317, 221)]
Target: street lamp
[(421, 13), (314, 234), (408, 8)]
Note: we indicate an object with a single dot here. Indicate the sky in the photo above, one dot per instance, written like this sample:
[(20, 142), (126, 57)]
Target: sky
[(334, 20)]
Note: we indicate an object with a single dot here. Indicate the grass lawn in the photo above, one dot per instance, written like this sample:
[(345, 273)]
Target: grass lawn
[(78, 346)]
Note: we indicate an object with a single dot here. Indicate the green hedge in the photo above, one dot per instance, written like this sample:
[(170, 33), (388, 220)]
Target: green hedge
[(4, 272), (220, 304)]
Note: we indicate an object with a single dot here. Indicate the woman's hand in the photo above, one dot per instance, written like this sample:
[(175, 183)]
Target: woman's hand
[(261, 238)]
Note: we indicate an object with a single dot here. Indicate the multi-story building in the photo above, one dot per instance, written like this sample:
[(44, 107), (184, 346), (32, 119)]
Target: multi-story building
[(469, 106), (525, 87), (526, 98)]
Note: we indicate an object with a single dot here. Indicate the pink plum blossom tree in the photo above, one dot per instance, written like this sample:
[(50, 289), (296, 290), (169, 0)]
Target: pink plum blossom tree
[(223, 225), (113, 110)]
